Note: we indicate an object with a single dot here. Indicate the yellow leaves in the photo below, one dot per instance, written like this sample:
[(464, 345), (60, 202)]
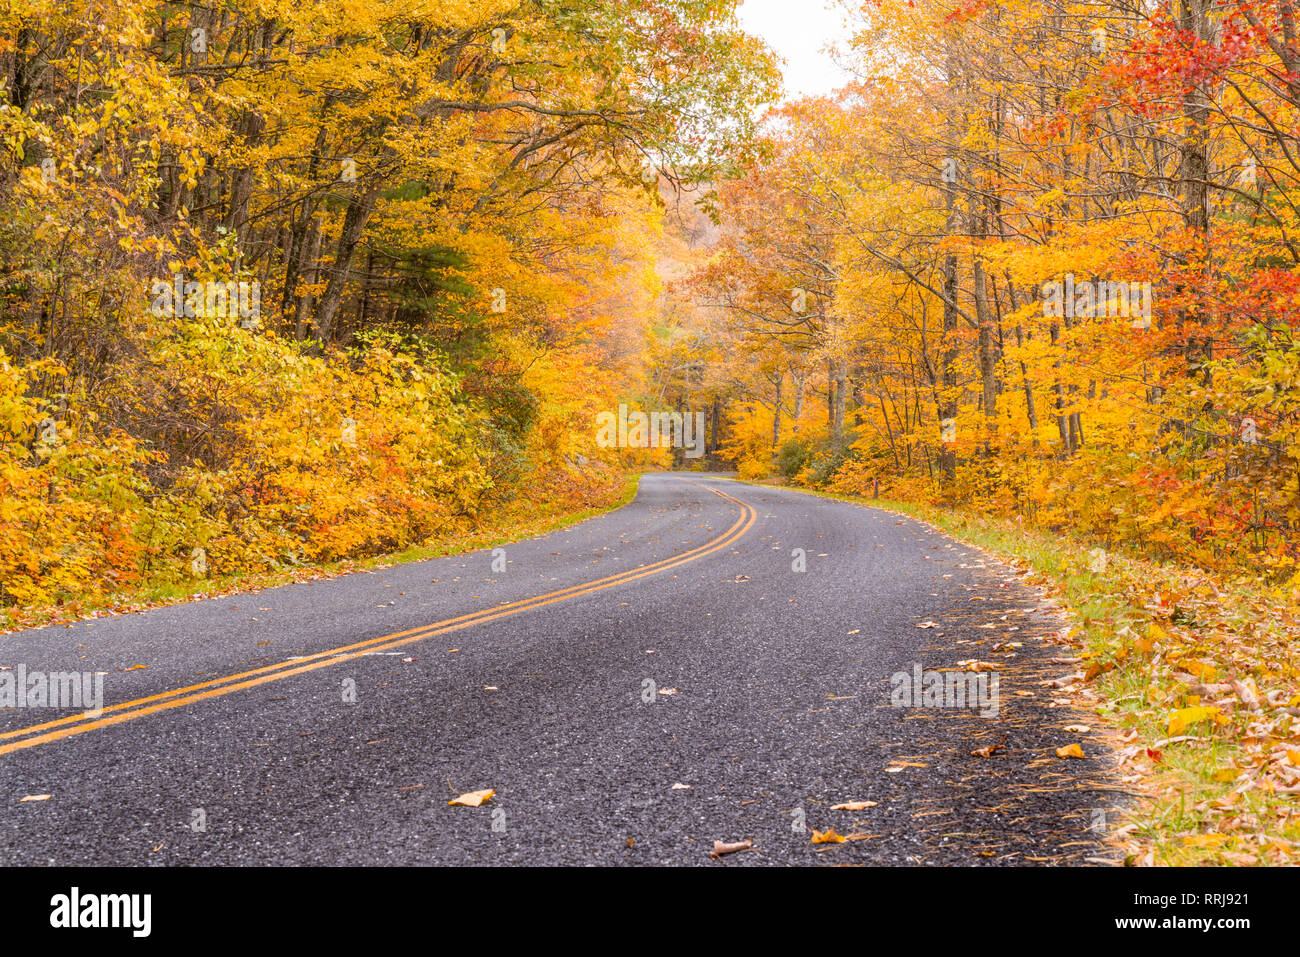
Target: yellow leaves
[(1181, 720), (1206, 840), (473, 798), (1206, 672), (1070, 751), (853, 806)]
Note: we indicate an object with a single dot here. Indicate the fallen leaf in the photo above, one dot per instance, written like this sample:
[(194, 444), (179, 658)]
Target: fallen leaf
[(827, 836), (1181, 720), (1205, 840), (473, 798), (720, 848), (988, 752), (1070, 751), (35, 797), (853, 806)]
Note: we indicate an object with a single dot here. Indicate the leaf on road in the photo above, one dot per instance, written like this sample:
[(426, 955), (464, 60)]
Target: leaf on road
[(853, 806), (827, 836), (669, 691), (989, 751), (679, 786), (35, 797), (720, 847), (928, 624), (1070, 751), (1078, 728), (473, 798)]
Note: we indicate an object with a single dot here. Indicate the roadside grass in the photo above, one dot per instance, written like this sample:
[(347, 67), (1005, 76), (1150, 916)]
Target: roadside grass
[(525, 520), (1198, 675)]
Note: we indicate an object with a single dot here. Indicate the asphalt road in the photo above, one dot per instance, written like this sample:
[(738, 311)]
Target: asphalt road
[(307, 733)]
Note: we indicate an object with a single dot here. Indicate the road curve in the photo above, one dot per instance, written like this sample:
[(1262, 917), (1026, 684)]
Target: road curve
[(633, 688)]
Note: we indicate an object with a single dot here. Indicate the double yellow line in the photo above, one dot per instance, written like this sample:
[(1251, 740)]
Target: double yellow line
[(60, 728)]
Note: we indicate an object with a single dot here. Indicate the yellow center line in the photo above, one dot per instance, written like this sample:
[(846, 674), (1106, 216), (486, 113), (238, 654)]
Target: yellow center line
[(423, 631), (217, 687)]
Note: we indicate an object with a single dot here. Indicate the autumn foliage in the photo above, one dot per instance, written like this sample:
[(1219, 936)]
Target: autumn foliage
[(897, 297), (443, 217)]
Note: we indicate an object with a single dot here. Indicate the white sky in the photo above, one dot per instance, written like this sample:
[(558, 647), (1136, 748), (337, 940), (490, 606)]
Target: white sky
[(798, 30)]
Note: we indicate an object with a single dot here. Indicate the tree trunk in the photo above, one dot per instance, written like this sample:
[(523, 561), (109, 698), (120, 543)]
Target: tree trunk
[(354, 224)]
